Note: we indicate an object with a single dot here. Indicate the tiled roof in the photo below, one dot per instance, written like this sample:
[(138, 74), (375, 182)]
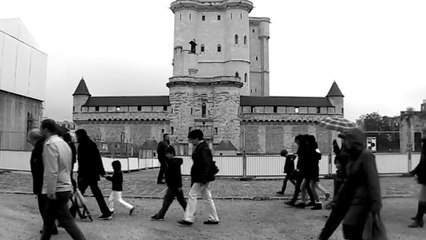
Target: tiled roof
[(149, 145), (81, 88), (128, 101), (225, 145), (285, 101), (335, 91)]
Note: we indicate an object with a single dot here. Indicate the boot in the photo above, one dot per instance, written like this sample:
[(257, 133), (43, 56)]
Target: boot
[(418, 221)]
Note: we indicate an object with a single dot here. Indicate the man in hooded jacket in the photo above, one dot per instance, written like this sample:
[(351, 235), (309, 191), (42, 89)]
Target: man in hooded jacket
[(359, 194), (90, 168)]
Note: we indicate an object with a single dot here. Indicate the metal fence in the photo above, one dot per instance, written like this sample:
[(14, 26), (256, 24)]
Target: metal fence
[(273, 165)]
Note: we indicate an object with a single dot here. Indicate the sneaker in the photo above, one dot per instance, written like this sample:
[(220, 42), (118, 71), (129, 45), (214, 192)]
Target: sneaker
[(280, 193), (157, 218), (210, 222), (290, 203), (327, 196), (105, 217), (318, 206), (131, 211), (184, 223)]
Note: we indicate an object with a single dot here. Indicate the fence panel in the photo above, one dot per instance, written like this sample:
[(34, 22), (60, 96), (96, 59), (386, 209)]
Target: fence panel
[(265, 165)]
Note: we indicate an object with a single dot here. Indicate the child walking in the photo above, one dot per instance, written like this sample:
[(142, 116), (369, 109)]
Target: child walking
[(117, 188), (174, 184), (288, 170)]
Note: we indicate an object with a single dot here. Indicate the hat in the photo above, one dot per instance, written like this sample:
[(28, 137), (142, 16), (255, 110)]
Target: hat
[(354, 135)]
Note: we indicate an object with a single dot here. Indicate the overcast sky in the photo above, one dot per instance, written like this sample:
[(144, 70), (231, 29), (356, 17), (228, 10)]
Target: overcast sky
[(375, 50)]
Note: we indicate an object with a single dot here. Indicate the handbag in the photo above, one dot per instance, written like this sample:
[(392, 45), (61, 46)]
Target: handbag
[(374, 228)]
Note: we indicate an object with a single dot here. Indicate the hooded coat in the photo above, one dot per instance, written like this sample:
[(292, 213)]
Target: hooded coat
[(173, 173), (90, 166), (360, 193), (420, 170)]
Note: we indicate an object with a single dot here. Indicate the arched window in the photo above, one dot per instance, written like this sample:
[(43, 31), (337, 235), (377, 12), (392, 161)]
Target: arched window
[(202, 48), (245, 77), (203, 110), (219, 48), (236, 38), (245, 40), (237, 75)]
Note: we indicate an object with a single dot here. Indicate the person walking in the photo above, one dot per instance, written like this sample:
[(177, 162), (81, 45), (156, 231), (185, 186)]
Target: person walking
[(117, 188), (57, 162), (359, 196), (288, 170), (313, 155), (36, 139), (174, 184), (90, 168), (420, 173), (161, 153), (201, 178), (302, 167)]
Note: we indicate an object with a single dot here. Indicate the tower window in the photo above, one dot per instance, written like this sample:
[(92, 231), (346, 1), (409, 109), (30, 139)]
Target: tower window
[(231, 15), (203, 110), (202, 48), (245, 40), (73, 109), (216, 131), (172, 130), (257, 58), (180, 17), (97, 108), (203, 18), (245, 77), (252, 109), (318, 110), (219, 48), (117, 108), (296, 109), (190, 16), (139, 108), (164, 108), (253, 30), (236, 38), (241, 15), (218, 17), (275, 109), (191, 111), (237, 75)]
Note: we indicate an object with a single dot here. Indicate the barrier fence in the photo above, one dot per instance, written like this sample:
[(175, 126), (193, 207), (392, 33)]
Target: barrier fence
[(229, 166)]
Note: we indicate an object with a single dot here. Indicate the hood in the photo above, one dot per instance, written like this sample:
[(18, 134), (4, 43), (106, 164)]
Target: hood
[(354, 136)]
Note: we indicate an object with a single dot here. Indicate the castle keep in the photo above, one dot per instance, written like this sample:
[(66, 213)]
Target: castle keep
[(220, 84)]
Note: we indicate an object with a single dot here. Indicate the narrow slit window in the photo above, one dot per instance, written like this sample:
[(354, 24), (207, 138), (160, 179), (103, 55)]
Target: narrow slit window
[(245, 40), (202, 48), (203, 18), (245, 77), (236, 38), (218, 17), (219, 48)]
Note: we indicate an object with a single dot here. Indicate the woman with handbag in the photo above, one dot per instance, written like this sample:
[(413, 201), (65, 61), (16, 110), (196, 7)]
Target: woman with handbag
[(420, 173)]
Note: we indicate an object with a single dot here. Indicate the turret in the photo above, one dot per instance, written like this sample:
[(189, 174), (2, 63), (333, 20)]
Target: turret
[(335, 96), (80, 96)]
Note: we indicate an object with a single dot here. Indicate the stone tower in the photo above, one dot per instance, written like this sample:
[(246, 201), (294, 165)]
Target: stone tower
[(259, 56), (211, 68), (80, 97)]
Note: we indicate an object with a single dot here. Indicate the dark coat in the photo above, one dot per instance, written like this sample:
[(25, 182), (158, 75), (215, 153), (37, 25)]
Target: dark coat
[(161, 151), (360, 192), (203, 160), (90, 165), (117, 180), (173, 173), (420, 170), (289, 163), (37, 167)]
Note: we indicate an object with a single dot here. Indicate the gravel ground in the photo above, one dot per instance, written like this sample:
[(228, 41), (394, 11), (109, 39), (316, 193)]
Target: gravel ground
[(248, 220)]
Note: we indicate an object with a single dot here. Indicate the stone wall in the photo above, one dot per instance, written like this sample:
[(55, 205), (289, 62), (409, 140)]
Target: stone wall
[(418, 123), (135, 132), (272, 137)]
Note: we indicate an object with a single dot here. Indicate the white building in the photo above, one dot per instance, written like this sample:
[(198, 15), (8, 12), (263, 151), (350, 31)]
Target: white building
[(22, 91)]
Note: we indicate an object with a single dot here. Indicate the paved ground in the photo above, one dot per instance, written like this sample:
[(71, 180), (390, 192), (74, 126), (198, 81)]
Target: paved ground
[(240, 220), (142, 184)]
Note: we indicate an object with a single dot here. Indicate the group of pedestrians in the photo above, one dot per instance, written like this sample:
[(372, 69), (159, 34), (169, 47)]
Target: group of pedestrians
[(306, 176)]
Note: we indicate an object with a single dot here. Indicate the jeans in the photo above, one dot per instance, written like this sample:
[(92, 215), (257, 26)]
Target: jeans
[(116, 197), (58, 209), (168, 199), (84, 184), (203, 190), (42, 201)]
